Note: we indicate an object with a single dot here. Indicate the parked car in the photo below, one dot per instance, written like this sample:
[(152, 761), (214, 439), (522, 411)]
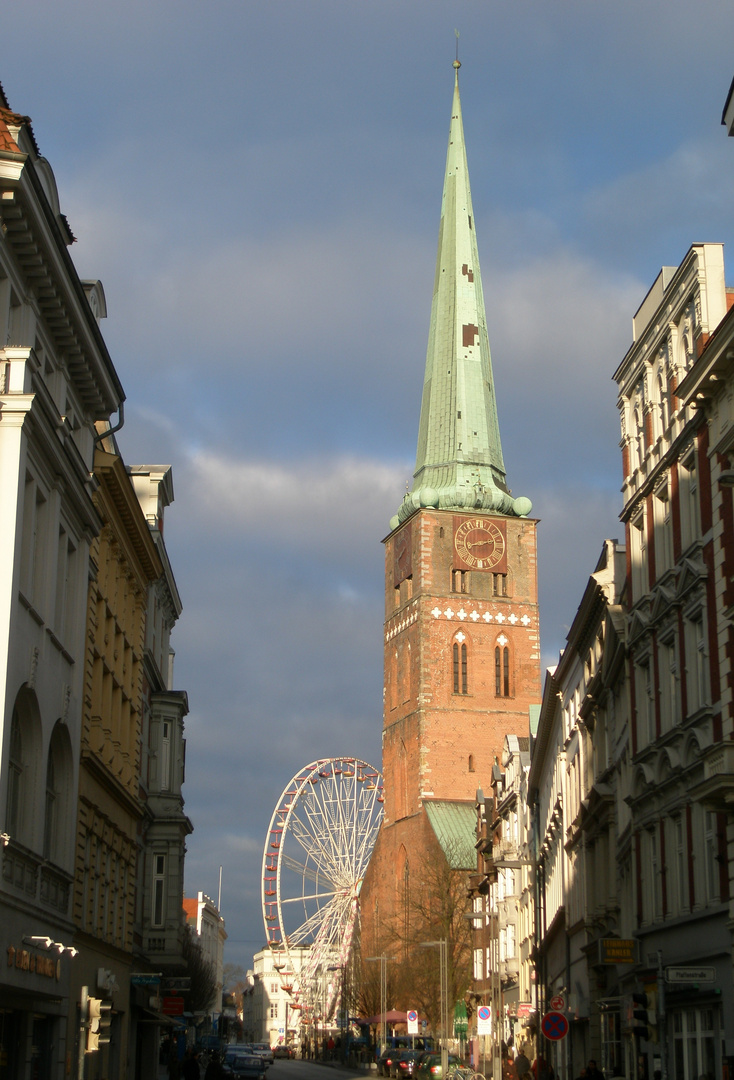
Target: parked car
[(385, 1060), (263, 1050), (404, 1062), (430, 1067), (246, 1067), (282, 1051)]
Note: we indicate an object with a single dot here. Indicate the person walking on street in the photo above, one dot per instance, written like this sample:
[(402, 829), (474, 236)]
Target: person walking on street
[(522, 1065)]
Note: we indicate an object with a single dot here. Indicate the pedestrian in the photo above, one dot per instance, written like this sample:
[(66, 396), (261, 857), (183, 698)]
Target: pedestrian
[(592, 1072), (191, 1070), (214, 1070), (174, 1065), (522, 1065), (583, 1075)]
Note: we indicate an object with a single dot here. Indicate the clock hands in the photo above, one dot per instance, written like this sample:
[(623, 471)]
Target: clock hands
[(478, 543)]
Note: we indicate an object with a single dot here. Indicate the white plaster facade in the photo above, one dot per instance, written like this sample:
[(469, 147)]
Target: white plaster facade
[(576, 787), (268, 1015), (204, 918), (56, 382)]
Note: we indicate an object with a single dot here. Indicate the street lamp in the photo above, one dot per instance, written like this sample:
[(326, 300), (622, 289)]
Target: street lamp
[(442, 946), (382, 960)]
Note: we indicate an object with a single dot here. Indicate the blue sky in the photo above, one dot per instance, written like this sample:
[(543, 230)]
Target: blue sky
[(257, 183)]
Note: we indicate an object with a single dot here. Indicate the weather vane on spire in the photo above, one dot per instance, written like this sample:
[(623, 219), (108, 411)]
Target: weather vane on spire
[(457, 62)]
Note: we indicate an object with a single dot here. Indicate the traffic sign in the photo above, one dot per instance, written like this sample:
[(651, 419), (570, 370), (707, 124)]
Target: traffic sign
[(412, 1022), (558, 1003), (554, 1026), (484, 1020), (690, 974)]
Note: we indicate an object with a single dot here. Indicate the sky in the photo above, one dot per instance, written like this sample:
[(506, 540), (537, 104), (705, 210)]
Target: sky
[(257, 184)]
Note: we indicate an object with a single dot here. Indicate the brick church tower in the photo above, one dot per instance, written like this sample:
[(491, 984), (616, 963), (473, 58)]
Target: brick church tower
[(461, 636)]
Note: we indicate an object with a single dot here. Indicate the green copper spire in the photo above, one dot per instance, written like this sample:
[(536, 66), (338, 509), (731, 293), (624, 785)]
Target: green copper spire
[(459, 464)]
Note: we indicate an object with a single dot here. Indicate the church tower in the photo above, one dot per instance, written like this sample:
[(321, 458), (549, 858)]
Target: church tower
[(461, 636)]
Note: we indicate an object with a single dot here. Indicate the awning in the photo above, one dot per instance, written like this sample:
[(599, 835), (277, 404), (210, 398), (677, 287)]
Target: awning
[(153, 1017)]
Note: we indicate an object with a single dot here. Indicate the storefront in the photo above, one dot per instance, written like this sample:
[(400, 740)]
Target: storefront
[(34, 1004)]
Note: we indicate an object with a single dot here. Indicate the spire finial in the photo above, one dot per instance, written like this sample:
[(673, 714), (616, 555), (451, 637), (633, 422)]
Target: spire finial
[(457, 62)]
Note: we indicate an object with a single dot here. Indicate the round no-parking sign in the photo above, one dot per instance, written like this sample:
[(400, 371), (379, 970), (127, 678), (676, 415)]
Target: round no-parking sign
[(554, 1026), (484, 1020)]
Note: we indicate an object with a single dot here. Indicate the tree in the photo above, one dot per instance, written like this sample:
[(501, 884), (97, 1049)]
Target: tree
[(433, 903)]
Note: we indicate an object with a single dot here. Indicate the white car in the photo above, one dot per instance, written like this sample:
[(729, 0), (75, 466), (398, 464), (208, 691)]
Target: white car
[(264, 1051)]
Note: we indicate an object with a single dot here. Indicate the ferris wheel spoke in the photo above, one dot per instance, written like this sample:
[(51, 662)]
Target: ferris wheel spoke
[(313, 896), (315, 841), (302, 869)]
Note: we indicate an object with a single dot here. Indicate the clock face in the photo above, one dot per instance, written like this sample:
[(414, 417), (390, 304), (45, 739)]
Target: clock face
[(480, 543)]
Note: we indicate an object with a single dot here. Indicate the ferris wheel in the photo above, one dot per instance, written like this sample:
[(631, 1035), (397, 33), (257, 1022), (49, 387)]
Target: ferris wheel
[(318, 845)]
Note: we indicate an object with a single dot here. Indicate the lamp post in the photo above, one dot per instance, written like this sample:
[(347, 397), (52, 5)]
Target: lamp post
[(382, 960), (442, 945)]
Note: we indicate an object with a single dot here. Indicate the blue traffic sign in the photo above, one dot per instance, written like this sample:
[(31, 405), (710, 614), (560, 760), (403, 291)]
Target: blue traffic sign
[(484, 1012)]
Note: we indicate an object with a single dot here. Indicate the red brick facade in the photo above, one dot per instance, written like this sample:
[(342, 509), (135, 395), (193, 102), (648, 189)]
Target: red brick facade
[(462, 666)]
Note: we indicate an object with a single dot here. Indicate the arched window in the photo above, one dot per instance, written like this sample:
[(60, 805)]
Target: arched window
[(15, 779), (471, 763), (58, 806), (51, 810), (502, 669), (461, 675)]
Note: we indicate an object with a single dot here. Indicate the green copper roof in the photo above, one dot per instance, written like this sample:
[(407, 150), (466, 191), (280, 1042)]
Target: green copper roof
[(455, 826), (459, 465)]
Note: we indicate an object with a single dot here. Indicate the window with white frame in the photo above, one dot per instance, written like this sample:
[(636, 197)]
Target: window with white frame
[(638, 555), (669, 697), (711, 853), (690, 520), (680, 891), (478, 965), (159, 881), (165, 755), (652, 880), (696, 663), (694, 1043), (663, 530), (645, 701)]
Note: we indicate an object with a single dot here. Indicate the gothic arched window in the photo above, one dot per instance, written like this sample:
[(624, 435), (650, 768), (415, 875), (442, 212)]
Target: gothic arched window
[(461, 674), (502, 670)]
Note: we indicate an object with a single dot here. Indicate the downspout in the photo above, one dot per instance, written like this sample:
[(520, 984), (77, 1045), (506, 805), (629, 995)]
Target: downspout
[(111, 431)]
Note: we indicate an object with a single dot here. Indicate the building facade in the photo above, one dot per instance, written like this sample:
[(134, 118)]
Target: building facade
[(87, 603), (675, 572), (580, 857), (56, 382), (124, 563), (461, 657), (203, 920)]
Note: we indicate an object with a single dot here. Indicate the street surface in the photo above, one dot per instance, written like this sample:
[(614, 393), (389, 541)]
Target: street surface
[(282, 1069)]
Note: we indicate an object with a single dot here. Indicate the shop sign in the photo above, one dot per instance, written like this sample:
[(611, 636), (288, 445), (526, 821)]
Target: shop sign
[(524, 1009), (173, 1006), (144, 979), (690, 974), (617, 951), (23, 960)]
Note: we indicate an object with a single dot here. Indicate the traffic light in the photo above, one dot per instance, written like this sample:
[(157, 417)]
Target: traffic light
[(100, 1018), (640, 1004)]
